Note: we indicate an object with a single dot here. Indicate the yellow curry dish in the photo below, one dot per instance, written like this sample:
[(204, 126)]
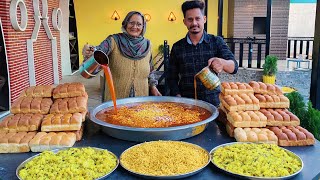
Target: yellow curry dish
[(74, 163), (257, 160)]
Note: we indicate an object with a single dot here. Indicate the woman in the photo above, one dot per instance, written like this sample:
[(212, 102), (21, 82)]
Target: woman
[(129, 54)]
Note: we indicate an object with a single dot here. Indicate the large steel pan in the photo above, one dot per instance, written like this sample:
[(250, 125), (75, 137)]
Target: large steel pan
[(150, 134)]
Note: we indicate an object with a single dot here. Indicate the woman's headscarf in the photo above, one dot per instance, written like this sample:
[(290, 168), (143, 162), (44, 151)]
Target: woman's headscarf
[(127, 18), (134, 48)]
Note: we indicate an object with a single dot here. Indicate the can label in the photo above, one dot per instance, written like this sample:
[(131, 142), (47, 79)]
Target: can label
[(208, 78)]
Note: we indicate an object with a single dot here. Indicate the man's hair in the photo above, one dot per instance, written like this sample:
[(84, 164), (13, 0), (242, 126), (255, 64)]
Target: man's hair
[(192, 5)]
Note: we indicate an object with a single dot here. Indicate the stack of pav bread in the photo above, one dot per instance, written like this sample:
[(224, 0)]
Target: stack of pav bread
[(257, 112), (44, 118)]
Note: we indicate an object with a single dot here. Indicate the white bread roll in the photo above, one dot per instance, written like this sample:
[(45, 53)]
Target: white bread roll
[(15, 142), (62, 122), (49, 141)]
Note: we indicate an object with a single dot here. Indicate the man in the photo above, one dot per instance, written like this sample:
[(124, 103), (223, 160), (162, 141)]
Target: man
[(196, 51)]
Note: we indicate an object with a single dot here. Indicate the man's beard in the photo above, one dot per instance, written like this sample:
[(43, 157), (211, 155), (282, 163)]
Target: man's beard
[(194, 32)]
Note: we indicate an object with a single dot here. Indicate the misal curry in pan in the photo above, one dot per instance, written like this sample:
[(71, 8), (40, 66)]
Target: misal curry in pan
[(154, 114)]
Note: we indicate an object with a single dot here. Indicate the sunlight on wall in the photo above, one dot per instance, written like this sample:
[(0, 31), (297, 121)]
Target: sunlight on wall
[(94, 21)]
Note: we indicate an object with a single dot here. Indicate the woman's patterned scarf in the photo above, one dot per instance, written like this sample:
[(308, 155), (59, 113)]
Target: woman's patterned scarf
[(130, 47)]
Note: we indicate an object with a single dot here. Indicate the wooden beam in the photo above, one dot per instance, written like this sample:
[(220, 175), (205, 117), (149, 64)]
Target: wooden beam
[(220, 17), (268, 26), (315, 74), (206, 14)]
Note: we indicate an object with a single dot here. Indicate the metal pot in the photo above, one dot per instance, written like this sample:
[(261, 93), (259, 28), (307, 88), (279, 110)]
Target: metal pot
[(91, 67), (150, 134), (208, 78)]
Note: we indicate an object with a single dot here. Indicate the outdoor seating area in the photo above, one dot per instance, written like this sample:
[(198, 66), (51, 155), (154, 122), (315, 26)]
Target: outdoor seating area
[(301, 59), (298, 63)]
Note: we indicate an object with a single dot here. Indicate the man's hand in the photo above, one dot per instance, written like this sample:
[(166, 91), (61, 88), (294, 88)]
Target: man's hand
[(87, 51), (154, 91), (216, 64)]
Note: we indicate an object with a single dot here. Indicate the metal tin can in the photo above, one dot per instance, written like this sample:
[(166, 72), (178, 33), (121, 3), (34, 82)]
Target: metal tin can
[(208, 78), (91, 67)]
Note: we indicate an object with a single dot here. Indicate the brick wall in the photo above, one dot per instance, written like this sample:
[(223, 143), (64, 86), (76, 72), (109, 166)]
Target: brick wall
[(279, 28), (242, 23), (16, 48)]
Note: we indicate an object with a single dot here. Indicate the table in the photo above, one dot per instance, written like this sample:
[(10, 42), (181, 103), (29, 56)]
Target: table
[(298, 62), (213, 136)]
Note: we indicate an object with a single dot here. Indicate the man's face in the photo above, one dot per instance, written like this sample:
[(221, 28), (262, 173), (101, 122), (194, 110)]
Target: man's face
[(194, 20)]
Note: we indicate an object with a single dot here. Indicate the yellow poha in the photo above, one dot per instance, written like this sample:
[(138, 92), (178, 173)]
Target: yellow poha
[(259, 160), (164, 158), (73, 163)]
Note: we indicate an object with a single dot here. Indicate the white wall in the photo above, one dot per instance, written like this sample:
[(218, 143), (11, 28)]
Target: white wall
[(302, 19), (64, 38)]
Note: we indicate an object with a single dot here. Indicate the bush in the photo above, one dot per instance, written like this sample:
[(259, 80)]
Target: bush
[(309, 117)]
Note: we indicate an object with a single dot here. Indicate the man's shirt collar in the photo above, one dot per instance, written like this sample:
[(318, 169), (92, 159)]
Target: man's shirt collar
[(204, 37)]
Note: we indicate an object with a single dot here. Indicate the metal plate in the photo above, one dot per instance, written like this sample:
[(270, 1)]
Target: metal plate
[(253, 177), (57, 150), (167, 177), (150, 134)]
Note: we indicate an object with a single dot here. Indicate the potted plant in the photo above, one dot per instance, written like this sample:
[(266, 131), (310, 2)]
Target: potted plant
[(270, 69)]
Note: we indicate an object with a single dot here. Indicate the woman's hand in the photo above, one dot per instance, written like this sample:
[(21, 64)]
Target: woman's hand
[(154, 91), (87, 51)]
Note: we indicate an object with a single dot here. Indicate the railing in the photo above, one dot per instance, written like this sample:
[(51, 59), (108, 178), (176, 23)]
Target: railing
[(254, 49), (164, 87), (254, 46), (300, 45)]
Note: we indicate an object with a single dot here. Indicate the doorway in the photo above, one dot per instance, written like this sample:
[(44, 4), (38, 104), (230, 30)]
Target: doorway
[(73, 41), (4, 76)]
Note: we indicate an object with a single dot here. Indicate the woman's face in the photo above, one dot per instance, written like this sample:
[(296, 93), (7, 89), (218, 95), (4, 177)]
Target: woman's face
[(135, 25)]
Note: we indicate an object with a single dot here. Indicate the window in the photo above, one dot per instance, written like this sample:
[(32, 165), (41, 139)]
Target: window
[(259, 25)]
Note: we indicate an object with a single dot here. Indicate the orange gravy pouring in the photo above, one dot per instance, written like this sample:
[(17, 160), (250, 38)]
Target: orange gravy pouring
[(109, 80)]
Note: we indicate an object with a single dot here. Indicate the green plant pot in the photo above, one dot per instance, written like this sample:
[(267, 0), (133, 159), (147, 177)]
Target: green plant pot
[(269, 79)]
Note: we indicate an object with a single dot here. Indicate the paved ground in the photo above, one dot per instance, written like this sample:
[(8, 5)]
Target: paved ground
[(282, 65)]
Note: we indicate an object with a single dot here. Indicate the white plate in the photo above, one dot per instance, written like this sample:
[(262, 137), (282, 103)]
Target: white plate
[(255, 177), (178, 176), (57, 150)]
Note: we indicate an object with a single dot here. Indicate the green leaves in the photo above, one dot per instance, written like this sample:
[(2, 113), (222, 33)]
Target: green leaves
[(296, 102), (270, 66), (161, 48), (309, 117), (313, 121)]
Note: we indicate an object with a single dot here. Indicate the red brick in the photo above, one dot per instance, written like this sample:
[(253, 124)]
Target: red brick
[(17, 50)]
